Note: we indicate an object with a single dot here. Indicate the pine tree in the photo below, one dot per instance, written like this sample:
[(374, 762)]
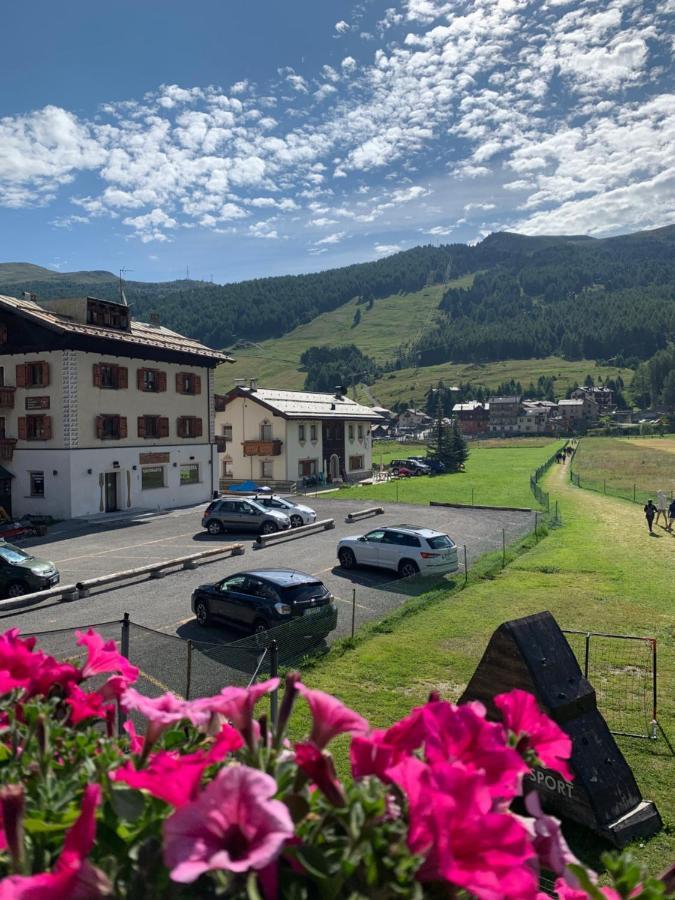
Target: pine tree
[(441, 447), (459, 448)]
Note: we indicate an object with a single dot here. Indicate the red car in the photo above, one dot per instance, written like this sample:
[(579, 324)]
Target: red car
[(403, 472)]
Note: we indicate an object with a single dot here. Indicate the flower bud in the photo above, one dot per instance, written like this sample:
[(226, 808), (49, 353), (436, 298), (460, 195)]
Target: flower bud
[(290, 692), (12, 804)]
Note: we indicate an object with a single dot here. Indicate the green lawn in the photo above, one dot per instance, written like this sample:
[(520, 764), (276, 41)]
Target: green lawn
[(494, 476), (617, 466), (600, 572), (385, 451)]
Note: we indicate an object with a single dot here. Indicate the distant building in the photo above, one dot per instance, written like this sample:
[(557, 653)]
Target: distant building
[(473, 417), (411, 420), (537, 417), (603, 397), (99, 412), (577, 412), (269, 435), (504, 412)]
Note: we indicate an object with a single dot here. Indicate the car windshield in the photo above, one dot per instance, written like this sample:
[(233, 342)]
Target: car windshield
[(300, 592), (437, 543), (254, 504), (13, 554)]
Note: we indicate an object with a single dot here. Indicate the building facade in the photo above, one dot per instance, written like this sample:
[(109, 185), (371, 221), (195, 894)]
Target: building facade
[(268, 435), (504, 412), (473, 417), (99, 413)]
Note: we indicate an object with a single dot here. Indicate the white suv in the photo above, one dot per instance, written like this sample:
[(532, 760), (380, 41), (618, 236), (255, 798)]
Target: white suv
[(296, 512), (405, 548)]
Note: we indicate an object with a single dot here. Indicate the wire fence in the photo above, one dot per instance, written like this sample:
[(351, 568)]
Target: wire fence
[(543, 498), (622, 670), (634, 492)]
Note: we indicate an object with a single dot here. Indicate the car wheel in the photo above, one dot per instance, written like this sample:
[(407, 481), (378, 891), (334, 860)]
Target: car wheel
[(395, 471), (17, 588), (347, 558), (296, 521), (407, 568), (214, 527), (202, 614), (269, 527)]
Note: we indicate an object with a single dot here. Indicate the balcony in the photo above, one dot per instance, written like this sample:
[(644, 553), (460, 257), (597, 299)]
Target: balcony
[(7, 397), (262, 448), (7, 448)]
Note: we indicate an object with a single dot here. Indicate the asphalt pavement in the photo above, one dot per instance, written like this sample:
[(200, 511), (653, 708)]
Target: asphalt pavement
[(86, 550)]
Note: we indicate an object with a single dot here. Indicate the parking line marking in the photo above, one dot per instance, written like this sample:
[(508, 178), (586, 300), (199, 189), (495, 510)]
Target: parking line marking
[(349, 603), (120, 549)]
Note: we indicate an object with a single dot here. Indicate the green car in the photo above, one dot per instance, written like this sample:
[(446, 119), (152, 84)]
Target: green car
[(21, 573)]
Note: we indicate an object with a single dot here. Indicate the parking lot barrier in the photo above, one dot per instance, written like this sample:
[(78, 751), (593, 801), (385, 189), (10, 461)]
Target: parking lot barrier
[(277, 537), (364, 513), (65, 591), (157, 570)]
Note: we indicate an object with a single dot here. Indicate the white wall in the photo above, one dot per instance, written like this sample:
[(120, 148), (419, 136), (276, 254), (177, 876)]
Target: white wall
[(359, 446), (246, 416), (308, 449)]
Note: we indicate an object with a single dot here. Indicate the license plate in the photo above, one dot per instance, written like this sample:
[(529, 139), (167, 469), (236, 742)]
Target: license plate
[(54, 580), (313, 610)]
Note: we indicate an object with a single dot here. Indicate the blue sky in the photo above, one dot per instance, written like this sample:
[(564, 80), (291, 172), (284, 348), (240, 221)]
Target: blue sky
[(248, 139)]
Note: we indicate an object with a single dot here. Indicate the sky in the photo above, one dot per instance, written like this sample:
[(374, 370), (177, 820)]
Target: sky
[(233, 140)]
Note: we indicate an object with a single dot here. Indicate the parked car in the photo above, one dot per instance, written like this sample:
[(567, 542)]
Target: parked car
[(230, 514), (412, 465), (296, 512), (407, 549), (435, 465), (21, 573), (259, 599)]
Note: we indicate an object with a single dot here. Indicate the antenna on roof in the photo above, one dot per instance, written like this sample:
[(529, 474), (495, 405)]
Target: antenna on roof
[(123, 299)]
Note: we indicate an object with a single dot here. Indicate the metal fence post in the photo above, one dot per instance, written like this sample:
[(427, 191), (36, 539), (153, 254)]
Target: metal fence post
[(124, 650), (604, 485), (274, 671), (466, 568), (587, 654), (536, 524), (556, 512), (472, 496), (353, 610), (188, 673), (633, 492), (503, 547), (654, 734)]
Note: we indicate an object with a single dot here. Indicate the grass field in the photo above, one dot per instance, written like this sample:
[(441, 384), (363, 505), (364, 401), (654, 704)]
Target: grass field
[(600, 572), (483, 482), (409, 385), (385, 451), (615, 465)]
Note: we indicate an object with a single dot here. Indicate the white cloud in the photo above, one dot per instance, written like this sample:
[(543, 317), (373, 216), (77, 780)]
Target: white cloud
[(342, 27), (334, 238), (387, 249), (439, 230)]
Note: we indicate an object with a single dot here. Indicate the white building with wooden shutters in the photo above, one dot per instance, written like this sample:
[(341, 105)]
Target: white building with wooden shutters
[(99, 412)]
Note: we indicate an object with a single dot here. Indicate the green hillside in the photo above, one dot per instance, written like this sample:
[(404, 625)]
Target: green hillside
[(17, 273)]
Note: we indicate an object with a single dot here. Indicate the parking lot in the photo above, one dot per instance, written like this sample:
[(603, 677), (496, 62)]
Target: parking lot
[(103, 547)]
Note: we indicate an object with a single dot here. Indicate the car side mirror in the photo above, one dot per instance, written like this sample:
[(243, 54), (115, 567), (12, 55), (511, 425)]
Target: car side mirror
[(364, 539)]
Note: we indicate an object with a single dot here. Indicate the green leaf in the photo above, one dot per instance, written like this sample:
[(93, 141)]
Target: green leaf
[(39, 826)]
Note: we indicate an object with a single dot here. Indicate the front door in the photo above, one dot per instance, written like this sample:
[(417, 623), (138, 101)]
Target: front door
[(110, 491)]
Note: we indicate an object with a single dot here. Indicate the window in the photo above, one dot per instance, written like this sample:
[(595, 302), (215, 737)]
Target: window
[(37, 484), (110, 376), (152, 477), (188, 426), (356, 463), (312, 432), (360, 432), (189, 473), (35, 428), (151, 380), (111, 428), (351, 432), (301, 432), (2, 426), (307, 467), (153, 427), (227, 432), (2, 376), (30, 375), (227, 468), (188, 383), (265, 432), (107, 314), (267, 469)]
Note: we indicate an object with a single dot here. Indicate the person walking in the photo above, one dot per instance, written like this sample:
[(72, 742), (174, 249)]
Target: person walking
[(671, 513), (650, 512), (661, 508)]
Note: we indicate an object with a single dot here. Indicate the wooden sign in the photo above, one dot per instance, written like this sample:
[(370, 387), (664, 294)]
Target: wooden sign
[(37, 402), (153, 459), (532, 654)]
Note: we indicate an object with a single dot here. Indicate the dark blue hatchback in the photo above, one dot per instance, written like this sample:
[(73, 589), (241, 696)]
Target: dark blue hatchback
[(259, 599)]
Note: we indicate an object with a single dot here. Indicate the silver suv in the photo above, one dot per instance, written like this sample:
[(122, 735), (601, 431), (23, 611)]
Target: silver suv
[(407, 549), (243, 515), (297, 512)]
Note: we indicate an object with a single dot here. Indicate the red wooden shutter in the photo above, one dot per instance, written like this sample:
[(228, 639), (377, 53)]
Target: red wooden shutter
[(161, 381), (45, 374), (22, 428), (46, 428), (163, 426), (197, 384), (97, 375), (122, 377), (21, 375), (99, 426), (140, 384), (180, 426), (122, 426), (141, 426), (196, 427), (179, 383)]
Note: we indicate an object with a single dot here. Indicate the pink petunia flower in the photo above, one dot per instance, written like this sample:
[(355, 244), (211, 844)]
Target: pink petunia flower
[(86, 705), (234, 825), (330, 717), (319, 767), (162, 712), (168, 776), (565, 892), (73, 878), (237, 704), (547, 838), (21, 666), (535, 731), (103, 656), (135, 742)]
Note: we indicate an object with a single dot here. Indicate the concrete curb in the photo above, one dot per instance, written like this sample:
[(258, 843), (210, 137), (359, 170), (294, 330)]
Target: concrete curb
[(476, 506), (279, 537), (364, 514)]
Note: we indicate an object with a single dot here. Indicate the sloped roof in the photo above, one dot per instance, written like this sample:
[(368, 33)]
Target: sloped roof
[(141, 334), (306, 404)]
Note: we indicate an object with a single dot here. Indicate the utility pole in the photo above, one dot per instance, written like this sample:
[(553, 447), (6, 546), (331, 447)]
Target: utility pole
[(123, 299)]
